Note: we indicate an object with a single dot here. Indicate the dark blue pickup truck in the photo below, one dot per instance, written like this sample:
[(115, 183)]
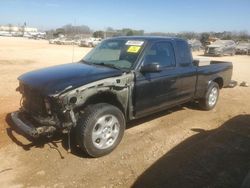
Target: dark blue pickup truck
[(122, 79)]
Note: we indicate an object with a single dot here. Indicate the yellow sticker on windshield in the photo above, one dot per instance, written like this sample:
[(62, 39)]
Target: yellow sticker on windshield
[(134, 49)]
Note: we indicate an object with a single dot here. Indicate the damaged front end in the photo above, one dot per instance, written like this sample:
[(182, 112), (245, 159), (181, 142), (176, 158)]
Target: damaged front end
[(44, 115), (39, 114)]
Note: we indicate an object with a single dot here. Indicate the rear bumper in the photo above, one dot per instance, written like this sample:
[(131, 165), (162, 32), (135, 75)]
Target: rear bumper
[(28, 128)]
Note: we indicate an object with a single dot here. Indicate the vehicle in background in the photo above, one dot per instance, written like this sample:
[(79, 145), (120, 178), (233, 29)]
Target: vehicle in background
[(90, 42), (87, 42), (59, 41), (96, 42), (36, 36), (27, 35), (66, 41), (122, 79), (77, 42), (5, 34), (221, 48), (195, 45), (243, 48), (17, 34), (53, 41)]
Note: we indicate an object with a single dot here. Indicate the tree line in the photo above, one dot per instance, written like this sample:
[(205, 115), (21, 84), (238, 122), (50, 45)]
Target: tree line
[(84, 31)]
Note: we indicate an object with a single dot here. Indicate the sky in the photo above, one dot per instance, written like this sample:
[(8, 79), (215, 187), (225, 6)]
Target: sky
[(148, 15)]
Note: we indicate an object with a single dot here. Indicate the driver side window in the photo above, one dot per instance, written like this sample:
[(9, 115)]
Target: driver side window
[(162, 53)]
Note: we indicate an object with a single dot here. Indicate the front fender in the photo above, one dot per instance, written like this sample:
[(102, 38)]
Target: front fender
[(120, 86)]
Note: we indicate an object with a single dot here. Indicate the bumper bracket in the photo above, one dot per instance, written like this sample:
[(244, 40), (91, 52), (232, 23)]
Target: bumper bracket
[(28, 128)]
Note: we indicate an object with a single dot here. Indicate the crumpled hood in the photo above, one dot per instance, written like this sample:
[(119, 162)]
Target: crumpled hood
[(55, 79)]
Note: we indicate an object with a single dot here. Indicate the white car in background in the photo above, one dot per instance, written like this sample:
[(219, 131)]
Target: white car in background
[(96, 42), (90, 42), (66, 41), (53, 41), (5, 34)]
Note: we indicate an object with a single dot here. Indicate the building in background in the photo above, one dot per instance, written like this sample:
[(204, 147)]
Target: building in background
[(20, 31)]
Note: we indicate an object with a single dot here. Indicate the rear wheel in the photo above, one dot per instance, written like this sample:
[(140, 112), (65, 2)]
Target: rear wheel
[(100, 129), (210, 99)]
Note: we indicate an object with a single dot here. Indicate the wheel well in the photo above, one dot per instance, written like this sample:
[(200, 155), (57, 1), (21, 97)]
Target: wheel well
[(105, 97), (219, 81)]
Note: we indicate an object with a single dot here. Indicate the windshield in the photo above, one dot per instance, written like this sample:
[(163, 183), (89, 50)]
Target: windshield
[(117, 53)]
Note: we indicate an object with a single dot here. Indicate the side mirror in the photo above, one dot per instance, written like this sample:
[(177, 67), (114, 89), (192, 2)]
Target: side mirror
[(152, 67)]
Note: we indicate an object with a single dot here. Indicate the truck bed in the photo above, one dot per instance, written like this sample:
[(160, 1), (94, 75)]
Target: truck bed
[(209, 70)]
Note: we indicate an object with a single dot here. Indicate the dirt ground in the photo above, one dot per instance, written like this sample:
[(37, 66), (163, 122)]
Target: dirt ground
[(180, 147)]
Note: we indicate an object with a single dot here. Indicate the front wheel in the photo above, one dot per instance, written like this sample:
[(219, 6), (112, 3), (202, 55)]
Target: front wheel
[(210, 99), (100, 129)]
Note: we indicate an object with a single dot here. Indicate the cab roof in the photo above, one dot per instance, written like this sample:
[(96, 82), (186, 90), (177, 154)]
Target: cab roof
[(148, 38)]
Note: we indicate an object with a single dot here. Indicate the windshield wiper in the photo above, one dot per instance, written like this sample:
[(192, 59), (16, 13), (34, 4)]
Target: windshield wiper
[(107, 65), (101, 64), (82, 60)]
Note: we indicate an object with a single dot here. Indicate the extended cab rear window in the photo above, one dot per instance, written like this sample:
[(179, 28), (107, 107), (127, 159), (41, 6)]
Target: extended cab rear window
[(184, 55), (162, 53)]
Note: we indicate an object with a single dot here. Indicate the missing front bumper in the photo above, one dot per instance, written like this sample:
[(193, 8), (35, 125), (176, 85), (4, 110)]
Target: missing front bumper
[(29, 128)]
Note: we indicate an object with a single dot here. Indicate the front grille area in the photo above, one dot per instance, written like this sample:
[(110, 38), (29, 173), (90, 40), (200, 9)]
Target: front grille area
[(211, 50), (33, 102)]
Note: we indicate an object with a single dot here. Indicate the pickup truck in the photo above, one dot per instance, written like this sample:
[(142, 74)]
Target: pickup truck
[(221, 48), (120, 80)]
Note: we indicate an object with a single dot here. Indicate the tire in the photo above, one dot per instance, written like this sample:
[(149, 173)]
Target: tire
[(211, 97), (96, 136)]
